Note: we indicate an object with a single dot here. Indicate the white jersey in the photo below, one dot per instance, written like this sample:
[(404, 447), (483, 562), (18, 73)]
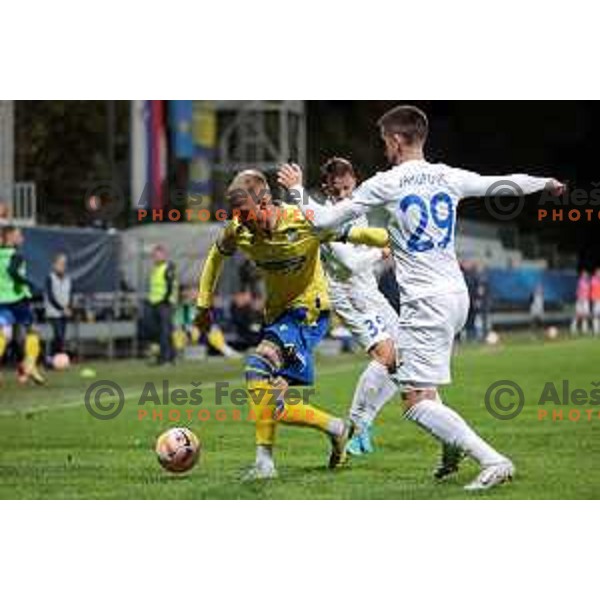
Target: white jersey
[(418, 201), (354, 291), (420, 210)]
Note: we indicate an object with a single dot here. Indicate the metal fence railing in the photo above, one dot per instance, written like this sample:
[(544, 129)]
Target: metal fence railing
[(22, 202)]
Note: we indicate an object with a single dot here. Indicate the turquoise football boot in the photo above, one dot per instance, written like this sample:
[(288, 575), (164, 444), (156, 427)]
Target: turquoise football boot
[(361, 442), (366, 441), (354, 447)]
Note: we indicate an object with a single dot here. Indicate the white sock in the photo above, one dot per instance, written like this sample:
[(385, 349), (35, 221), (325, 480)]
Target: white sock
[(596, 325), (264, 455), (449, 427), (584, 326), (336, 426), (374, 388), (229, 352)]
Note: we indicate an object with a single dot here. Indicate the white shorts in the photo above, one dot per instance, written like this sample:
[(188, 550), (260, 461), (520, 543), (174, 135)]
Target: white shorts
[(596, 308), (428, 327), (366, 313), (582, 308)]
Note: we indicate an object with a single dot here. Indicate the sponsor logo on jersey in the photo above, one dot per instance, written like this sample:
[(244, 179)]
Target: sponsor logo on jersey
[(286, 265)]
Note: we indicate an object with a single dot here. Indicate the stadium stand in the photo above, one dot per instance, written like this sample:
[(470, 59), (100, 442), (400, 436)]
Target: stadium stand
[(110, 271)]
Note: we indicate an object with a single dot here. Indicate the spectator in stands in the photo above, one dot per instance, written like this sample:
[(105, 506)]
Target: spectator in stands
[(478, 316), (58, 300), (249, 278), (162, 297), (469, 275), (245, 319), (184, 333), (582, 304), (481, 302), (536, 308), (595, 298)]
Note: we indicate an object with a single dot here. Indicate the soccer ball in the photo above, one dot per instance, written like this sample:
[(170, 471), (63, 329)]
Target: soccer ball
[(61, 361), (552, 332), (492, 338), (177, 449)]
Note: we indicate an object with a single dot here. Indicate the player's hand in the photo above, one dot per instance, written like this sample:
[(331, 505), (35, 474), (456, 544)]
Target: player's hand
[(289, 175), (386, 253), (557, 188), (204, 319)]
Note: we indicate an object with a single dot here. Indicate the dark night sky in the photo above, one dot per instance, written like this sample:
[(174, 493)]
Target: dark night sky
[(556, 139)]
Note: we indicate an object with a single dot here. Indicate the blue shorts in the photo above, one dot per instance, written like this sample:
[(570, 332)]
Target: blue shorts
[(297, 339), (6, 318), (18, 313)]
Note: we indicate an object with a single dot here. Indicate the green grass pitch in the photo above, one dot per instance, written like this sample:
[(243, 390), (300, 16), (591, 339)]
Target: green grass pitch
[(50, 447)]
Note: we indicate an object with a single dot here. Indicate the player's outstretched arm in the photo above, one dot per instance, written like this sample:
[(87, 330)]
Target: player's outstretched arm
[(369, 236), (321, 217), (209, 278), (473, 184)]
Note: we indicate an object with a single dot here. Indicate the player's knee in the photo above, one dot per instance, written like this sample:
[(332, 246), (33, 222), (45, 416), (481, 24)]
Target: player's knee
[(385, 353), (6, 333), (264, 363), (270, 352), (413, 395)]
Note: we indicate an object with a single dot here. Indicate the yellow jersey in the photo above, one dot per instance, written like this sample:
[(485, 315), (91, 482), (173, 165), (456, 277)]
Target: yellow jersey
[(288, 259)]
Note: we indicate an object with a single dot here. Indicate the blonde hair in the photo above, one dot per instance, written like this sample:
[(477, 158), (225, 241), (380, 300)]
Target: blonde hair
[(245, 179)]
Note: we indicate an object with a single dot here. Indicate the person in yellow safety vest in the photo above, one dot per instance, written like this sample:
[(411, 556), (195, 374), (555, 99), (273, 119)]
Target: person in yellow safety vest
[(162, 297)]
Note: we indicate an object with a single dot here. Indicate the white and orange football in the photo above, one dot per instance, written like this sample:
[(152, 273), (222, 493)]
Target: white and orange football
[(177, 449), (61, 361)]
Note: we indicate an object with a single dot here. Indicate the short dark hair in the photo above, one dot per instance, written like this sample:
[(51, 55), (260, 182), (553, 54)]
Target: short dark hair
[(9, 230), (407, 121), (337, 166)]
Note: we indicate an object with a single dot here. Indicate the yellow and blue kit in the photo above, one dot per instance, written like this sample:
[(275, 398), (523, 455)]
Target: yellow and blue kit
[(297, 303), (297, 309)]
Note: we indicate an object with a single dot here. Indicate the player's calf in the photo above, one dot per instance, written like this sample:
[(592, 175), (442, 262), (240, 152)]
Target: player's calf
[(424, 407), (261, 370), (267, 394), (373, 390)]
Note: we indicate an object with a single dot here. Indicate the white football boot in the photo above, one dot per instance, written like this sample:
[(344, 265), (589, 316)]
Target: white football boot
[(491, 476), (260, 471)]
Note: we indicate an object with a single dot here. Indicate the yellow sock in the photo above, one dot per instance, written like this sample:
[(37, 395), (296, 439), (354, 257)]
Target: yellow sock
[(263, 410), (216, 339), (268, 409), (32, 349), (306, 415), (179, 340), (3, 344)]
